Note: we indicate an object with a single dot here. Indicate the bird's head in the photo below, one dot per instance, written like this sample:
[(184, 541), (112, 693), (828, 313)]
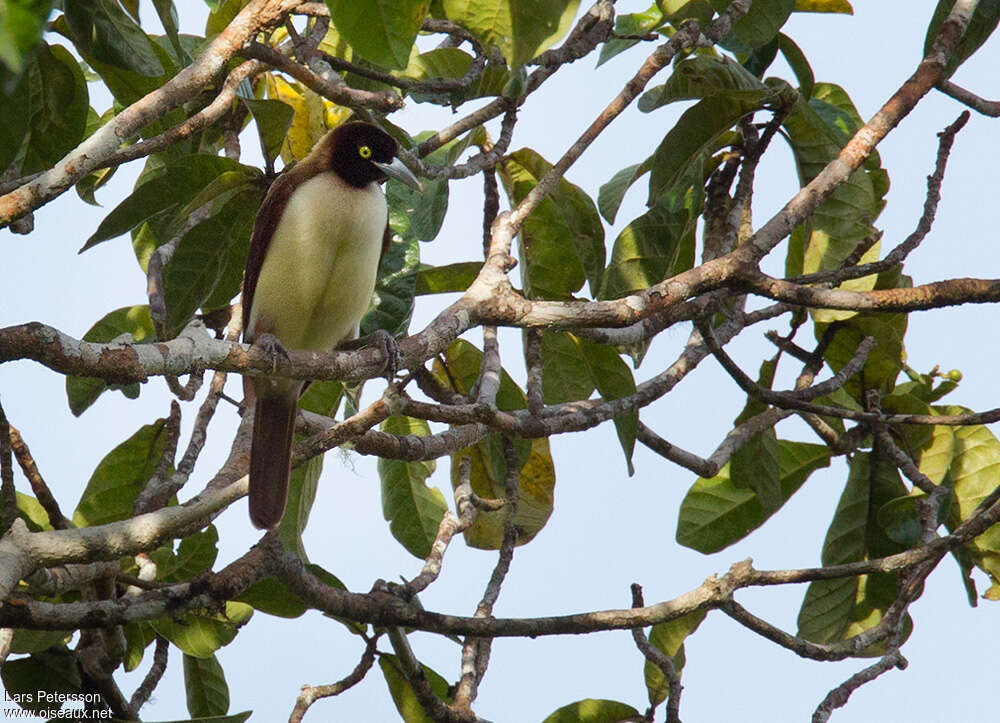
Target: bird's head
[(361, 153)]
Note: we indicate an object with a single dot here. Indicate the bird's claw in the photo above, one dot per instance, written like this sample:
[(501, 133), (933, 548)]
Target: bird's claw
[(270, 344), (384, 342), (390, 350)]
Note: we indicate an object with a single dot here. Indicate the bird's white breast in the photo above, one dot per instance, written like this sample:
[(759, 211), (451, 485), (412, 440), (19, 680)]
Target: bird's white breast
[(319, 270)]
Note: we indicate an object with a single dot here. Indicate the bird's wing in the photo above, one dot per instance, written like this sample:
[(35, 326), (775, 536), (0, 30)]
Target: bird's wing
[(386, 240), (268, 216)]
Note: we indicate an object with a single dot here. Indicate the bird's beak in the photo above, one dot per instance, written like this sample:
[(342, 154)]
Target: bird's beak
[(401, 173)]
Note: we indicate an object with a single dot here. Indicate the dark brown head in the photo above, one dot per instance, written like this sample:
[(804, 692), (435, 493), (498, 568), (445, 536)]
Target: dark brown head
[(360, 153)]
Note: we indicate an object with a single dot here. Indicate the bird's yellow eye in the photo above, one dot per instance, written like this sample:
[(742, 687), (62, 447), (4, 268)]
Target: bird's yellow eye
[(365, 152)]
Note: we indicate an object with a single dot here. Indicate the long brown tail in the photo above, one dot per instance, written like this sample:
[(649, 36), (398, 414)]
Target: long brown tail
[(270, 459)]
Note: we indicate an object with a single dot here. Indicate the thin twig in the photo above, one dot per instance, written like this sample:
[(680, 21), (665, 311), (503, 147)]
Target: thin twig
[(989, 108), (658, 658), (311, 693), (145, 690), (449, 527), (476, 651), (924, 225), (38, 485), (837, 698)]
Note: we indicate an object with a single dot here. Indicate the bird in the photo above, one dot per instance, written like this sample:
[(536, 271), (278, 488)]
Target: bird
[(314, 252)]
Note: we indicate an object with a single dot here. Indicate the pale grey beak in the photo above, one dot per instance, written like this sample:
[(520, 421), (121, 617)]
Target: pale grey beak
[(401, 173)]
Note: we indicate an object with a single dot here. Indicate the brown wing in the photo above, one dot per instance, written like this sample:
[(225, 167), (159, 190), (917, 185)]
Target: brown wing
[(386, 240), (271, 210)]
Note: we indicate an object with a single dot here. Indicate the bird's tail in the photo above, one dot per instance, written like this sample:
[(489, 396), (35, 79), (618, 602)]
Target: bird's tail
[(270, 459)]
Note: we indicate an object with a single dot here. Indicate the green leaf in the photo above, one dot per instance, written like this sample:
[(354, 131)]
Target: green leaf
[(449, 278), (21, 26), (902, 518), (453, 63), (701, 77), (35, 641), (592, 710), (458, 369), (759, 26), (414, 510), (817, 130), (653, 247), (630, 24), (716, 513), (51, 118), (973, 477), (838, 609), (301, 495), (195, 554), (128, 86), (168, 18), (695, 133), (395, 288), (31, 511), (269, 595), (223, 12), (932, 448), (322, 397), (565, 376), (756, 465), (205, 683), (678, 11), (200, 635), (759, 59), (50, 672), (235, 718), (613, 380), (981, 26), (572, 367), (100, 28), (15, 119), (440, 63), (562, 241), (274, 118), (402, 693), (425, 209), (796, 60), (885, 360), (669, 638), (522, 29), (204, 270), (120, 477), (163, 188), (828, 604), (135, 321), (383, 31), (609, 197), (87, 187), (138, 636)]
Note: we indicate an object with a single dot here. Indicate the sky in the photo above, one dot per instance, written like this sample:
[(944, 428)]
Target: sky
[(608, 530)]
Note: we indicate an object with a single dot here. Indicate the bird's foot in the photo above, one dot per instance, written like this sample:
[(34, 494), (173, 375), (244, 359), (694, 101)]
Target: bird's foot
[(385, 343), (271, 345)]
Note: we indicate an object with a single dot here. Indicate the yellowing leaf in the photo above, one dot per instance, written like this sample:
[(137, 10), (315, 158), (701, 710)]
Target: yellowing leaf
[(824, 6), (309, 122)]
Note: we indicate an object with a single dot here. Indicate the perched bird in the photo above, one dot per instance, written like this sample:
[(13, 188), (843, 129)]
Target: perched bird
[(314, 252)]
